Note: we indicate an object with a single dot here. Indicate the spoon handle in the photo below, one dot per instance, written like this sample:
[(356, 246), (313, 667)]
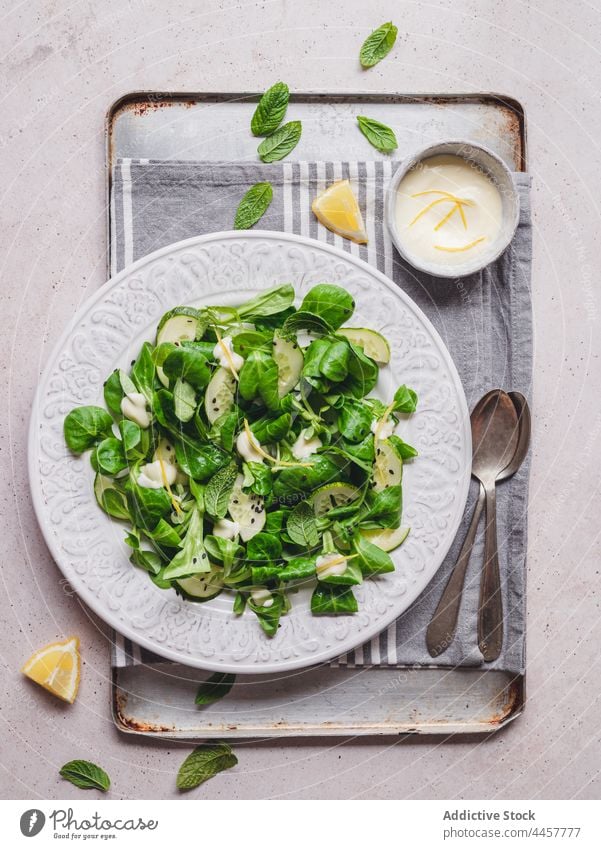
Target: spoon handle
[(441, 629), (490, 614)]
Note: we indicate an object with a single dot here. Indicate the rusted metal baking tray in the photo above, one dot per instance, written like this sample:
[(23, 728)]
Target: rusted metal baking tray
[(322, 701)]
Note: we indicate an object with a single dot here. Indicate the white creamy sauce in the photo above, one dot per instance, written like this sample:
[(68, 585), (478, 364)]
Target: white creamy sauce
[(226, 356), (226, 529), (165, 452), (151, 475), (385, 430), (262, 598), (447, 210), (247, 448), (304, 447), (133, 407), (330, 564)]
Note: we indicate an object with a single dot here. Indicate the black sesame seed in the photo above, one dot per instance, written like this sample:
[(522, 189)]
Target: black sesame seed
[(252, 521), (391, 471), (203, 556), (194, 560), (235, 500)]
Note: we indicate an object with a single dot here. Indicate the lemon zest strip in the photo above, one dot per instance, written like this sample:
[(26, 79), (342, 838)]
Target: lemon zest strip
[(338, 560), (449, 214), (174, 502), (447, 194), (226, 352), (381, 421), (267, 456), (458, 202), (427, 209), (463, 248)]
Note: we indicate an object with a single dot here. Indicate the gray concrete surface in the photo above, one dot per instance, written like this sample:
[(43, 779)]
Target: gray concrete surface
[(62, 64)]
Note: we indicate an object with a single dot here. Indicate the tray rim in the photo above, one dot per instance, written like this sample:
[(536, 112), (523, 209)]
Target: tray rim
[(492, 98), (515, 686)]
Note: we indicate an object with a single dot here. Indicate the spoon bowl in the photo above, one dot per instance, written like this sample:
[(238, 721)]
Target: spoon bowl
[(495, 436)]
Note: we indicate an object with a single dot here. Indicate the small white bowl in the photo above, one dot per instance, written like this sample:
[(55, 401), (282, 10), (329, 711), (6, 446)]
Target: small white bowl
[(499, 173)]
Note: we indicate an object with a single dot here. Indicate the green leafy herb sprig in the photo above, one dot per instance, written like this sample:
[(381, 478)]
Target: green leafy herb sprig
[(253, 205), (203, 763), (378, 45), (377, 134), (85, 775), (266, 120)]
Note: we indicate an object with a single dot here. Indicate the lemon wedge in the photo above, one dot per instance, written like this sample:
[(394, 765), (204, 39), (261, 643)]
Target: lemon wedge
[(338, 210), (57, 668)]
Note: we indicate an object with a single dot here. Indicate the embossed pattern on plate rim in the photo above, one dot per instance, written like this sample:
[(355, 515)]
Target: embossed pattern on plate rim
[(353, 636)]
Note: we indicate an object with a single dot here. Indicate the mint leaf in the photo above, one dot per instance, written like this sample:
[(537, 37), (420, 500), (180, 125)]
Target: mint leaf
[(215, 688), (270, 110), (203, 763), (280, 143), (378, 45), (381, 136), (218, 491), (85, 775), (253, 205), (302, 527)]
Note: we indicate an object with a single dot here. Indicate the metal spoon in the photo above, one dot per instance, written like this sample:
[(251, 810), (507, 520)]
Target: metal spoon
[(441, 629), (490, 608)]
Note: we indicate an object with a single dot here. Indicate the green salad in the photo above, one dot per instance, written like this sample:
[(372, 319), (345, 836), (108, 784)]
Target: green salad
[(245, 454)]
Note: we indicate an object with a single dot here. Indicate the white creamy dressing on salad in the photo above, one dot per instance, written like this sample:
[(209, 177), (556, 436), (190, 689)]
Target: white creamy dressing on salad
[(226, 529), (328, 565), (447, 210), (154, 475), (247, 448), (226, 356), (383, 430), (133, 407), (304, 447), (262, 598)]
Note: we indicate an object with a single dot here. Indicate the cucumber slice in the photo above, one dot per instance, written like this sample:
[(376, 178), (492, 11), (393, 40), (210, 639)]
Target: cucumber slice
[(117, 507), (386, 538), (374, 344), (248, 509), (220, 394), (388, 466), (333, 495), (199, 588), (289, 360), (178, 325)]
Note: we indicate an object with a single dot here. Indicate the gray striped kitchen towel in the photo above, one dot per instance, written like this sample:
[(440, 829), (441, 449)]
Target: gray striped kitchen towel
[(485, 321)]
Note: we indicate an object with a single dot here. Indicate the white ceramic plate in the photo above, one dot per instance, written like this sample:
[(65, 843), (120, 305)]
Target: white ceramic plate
[(108, 331)]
